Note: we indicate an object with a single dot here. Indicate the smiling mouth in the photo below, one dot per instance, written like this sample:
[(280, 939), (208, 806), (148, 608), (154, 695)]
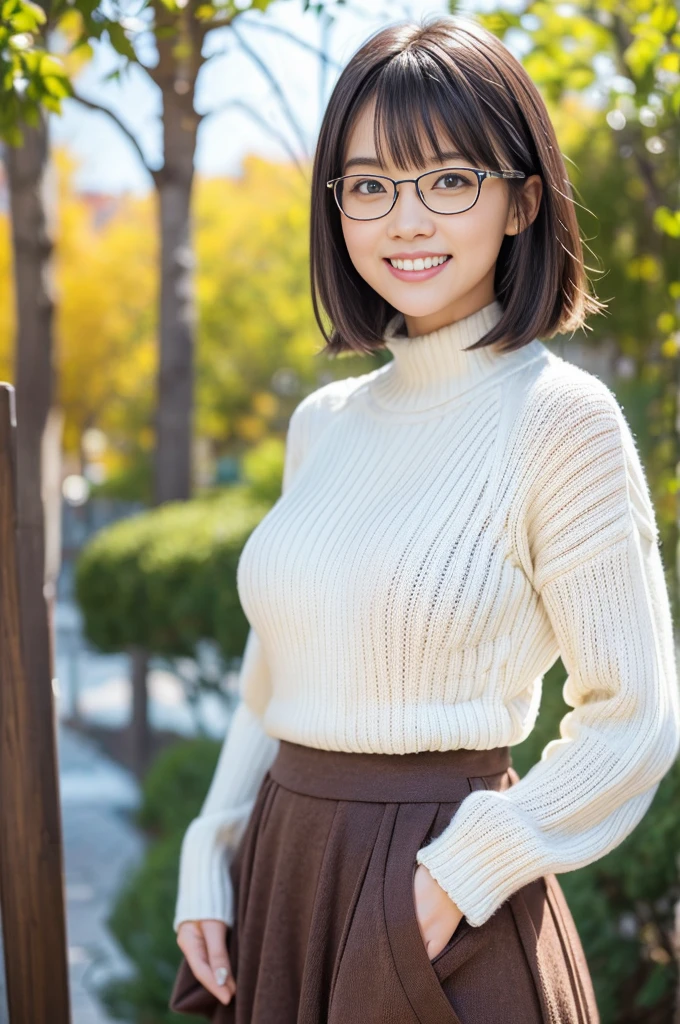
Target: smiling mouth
[(418, 264)]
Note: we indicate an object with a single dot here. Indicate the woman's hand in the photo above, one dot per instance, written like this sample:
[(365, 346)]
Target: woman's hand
[(436, 913), (204, 946)]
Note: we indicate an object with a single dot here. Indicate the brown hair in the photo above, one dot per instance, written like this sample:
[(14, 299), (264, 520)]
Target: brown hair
[(450, 71)]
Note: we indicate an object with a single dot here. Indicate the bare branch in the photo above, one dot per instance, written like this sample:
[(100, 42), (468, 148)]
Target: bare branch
[(123, 128), (287, 34), (256, 116), (287, 109)]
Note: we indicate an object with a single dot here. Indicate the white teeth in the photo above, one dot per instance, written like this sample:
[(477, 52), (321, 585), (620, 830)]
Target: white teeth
[(419, 264)]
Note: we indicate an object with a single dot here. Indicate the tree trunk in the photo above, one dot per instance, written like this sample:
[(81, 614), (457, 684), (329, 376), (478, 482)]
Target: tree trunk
[(139, 725), (27, 168), (176, 80), (175, 389), (174, 410), (34, 375)]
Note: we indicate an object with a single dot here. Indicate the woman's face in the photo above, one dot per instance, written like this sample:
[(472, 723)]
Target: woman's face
[(472, 239)]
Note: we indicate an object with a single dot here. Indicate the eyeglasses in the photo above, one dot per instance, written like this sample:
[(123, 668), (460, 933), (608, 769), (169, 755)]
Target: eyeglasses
[(368, 197)]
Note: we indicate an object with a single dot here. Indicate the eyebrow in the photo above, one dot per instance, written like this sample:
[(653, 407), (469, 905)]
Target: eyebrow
[(371, 161)]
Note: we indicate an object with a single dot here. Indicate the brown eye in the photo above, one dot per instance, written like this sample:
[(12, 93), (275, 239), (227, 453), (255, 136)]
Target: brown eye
[(452, 181)]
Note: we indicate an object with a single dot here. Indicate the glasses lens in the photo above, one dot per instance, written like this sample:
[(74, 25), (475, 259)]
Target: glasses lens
[(364, 197), (449, 191)]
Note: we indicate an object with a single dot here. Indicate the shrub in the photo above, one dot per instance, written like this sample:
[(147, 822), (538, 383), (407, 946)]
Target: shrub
[(141, 920), (175, 787), (166, 578)]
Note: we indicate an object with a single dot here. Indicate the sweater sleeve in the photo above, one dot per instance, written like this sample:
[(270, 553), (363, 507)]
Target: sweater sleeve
[(204, 889), (590, 542)]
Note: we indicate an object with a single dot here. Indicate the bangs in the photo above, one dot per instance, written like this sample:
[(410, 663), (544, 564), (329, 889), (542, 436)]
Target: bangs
[(422, 110)]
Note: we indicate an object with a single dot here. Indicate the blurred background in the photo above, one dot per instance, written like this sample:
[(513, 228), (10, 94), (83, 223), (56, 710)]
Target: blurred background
[(155, 317)]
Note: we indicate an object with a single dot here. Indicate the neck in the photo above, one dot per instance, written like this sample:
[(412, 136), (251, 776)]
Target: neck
[(428, 370)]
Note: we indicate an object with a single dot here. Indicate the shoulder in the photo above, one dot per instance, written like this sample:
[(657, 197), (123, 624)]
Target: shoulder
[(567, 409), (562, 388), (313, 413), (316, 409), (577, 450)]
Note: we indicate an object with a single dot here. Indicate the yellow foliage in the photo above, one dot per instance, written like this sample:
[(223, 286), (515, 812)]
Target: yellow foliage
[(644, 268), (265, 404), (253, 299), (665, 322), (250, 428), (105, 284)]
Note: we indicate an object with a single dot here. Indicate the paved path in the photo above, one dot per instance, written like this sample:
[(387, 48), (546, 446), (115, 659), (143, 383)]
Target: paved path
[(100, 846)]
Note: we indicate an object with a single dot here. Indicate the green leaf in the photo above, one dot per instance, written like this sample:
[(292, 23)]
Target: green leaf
[(664, 17), (23, 16), (52, 104), (58, 87), (670, 62), (658, 982), (83, 50), (668, 221), (49, 65), (24, 21), (12, 135), (31, 116), (120, 41)]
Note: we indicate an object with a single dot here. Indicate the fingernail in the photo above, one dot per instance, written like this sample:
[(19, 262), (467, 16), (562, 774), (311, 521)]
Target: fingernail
[(221, 974)]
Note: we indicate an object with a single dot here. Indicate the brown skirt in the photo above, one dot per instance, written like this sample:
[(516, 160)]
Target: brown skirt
[(326, 930)]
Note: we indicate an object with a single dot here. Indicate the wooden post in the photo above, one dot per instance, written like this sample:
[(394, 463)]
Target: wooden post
[(31, 851)]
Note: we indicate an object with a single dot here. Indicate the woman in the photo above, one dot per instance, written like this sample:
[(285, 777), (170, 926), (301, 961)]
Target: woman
[(450, 524)]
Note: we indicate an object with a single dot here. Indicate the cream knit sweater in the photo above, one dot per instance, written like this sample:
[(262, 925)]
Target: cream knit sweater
[(450, 524)]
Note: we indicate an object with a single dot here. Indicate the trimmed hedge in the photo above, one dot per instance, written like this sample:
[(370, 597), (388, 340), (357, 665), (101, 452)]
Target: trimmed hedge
[(166, 578)]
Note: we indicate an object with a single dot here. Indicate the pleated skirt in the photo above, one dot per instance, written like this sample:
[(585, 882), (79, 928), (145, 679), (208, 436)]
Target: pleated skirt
[(326, 930)]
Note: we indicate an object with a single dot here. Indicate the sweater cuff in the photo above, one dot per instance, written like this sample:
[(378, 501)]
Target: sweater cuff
[(483, 856), (205, 889)]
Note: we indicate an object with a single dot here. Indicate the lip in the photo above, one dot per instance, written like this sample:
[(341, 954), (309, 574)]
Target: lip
[(416, 275)]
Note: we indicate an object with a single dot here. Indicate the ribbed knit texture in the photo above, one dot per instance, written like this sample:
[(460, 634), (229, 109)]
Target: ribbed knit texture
[(450, 524)]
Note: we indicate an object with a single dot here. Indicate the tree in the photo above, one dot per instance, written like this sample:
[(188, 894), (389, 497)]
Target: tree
[(179, 29)]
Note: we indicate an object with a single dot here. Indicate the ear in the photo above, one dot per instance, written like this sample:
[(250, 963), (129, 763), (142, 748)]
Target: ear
[(529, 202)]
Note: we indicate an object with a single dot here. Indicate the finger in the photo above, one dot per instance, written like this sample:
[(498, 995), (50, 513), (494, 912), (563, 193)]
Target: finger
[(215, 933), (196, 953), (192, 941)]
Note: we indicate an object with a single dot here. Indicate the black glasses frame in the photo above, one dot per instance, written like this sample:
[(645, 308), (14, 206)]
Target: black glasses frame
[(481, 175)]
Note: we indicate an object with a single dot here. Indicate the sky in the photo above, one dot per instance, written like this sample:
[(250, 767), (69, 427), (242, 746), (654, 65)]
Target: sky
[(107, 161)]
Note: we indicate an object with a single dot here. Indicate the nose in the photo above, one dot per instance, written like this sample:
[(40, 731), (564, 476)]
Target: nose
[(409, 215)]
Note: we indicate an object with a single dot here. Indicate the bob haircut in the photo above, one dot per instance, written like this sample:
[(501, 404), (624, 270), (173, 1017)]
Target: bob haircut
[(450, 73)]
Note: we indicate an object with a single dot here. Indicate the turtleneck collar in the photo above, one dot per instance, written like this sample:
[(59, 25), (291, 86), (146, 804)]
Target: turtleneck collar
[(428, 370)]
